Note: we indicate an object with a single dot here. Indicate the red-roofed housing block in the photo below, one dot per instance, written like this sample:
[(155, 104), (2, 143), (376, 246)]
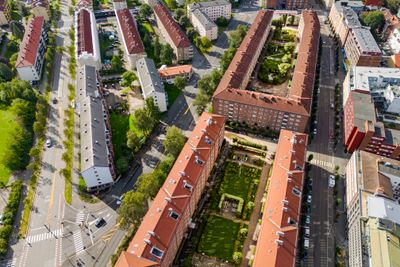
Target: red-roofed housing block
[(277, 240), (168, 74), (127, 28), (163, 227), (31, 51), (173, 33), (40, 8), (231, 98), (87, 38)]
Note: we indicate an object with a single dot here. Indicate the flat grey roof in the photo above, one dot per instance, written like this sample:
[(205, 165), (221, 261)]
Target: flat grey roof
[(380, 207), (149, 77), (86, 82), (351, 17), (208, 4), (204, 19), (365, 40), (364, 109)]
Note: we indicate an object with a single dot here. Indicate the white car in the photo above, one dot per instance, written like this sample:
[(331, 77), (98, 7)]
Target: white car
[(1, 219), (331, 181), (119, 200), (315, 131), (307, 231), (48, 142), (309, 198), (308, 219), (306, 243)]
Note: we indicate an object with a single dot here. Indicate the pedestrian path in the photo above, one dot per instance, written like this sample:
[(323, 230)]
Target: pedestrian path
[(80, 217), (78, 243), (44, 236)]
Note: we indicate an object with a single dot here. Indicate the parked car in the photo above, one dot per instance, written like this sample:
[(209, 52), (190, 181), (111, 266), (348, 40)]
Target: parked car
[(306, 243), (307, 231), (48, 142), (309, 198), (332, 181), (55, 101), (100, 222), (315, 131), (1, 219), (119, 200), (308, 219)]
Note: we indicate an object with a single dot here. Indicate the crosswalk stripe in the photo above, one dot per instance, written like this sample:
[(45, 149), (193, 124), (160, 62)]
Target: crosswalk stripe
[(80, 216), (43, 236), (78, 242), (11, 263)]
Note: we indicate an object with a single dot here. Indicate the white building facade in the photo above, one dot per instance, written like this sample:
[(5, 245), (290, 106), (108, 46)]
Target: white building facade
[(204, 25)]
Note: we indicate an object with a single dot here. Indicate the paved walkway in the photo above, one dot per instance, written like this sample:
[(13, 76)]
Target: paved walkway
[(255, 215)]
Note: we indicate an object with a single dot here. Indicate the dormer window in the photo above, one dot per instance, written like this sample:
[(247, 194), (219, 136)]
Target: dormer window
[(187, 186), (290, 221), (198, 160), (208, 140), (173, 215), (296, 191), (157, 252)]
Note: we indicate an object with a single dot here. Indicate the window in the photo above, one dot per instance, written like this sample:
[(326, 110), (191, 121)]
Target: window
[(188, 186), (157, 252), (174, 215), (296, 191)]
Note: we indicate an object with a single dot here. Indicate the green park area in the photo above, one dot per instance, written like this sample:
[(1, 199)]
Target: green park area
[(7, 124)]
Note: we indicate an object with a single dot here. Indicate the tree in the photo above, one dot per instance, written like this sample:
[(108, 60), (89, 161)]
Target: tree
[(117, 63), (373, 19), (174, 141), (5, 72), (222, 21), (145, 11), (191, 33), (152, 109), (132, 208), (393, 5), (143, 121), (122, 164), (184, 22), (205, 44), (128, 77), (17, 29), (243, 232), (157, 49), (180, 82), (166, 54), (133, 141), (179, 12), (237, 257), (148, 185), (205, 85), (200, 101), (215, 78)]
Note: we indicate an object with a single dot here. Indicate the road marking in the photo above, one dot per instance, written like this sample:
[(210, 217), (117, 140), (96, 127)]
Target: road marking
[(11, 263), (322, 163), (44, 236), (49, 212), (186, 111), (78, 243), (80, 217), (110, 233)]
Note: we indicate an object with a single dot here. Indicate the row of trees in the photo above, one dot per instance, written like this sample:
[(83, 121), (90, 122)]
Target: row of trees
[(133, 206), (209, 82)]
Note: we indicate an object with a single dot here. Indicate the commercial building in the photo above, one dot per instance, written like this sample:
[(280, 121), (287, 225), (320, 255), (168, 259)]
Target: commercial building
[(343, 18), (40, 8), (173, 33), (361, 48), (204, 25), (97, 165), (362, 130), (164, 226), (212, 9), (30, 59), (127, 28), (372, 186), (256, 109), (87, 38), (151, 83), (168, 74), (277, 240), (4, 10)]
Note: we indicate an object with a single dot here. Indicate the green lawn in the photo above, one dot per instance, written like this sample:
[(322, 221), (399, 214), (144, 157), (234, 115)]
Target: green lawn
[(148, 27), (172, 92), (132, 126), (238, 180), (7, 124), (119, 127), (218, 238)]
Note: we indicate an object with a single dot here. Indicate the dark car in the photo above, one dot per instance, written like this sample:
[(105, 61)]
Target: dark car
[(100, 222)]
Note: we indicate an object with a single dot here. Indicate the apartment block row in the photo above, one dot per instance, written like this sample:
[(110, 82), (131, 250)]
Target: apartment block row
[(285, 4), (373, 210), (173, 33), (257, 109), (279, 233), (29, 64), (97, 164), (204, 14), (168, 74), (159, 236)]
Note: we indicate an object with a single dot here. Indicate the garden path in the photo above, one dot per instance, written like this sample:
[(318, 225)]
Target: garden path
[(244, 163), (229, 218), (255, 215)]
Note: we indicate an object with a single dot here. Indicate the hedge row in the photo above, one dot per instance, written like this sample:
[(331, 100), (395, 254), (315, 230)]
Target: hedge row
[(248, 143)]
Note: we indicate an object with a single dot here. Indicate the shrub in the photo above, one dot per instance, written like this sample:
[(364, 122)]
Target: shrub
[(237, 257)]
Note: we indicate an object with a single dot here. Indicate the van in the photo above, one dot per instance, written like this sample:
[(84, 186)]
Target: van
[(331, 181), (306, 243)]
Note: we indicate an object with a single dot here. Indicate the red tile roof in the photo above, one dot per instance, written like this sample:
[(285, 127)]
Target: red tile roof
[(85, 42), (172, 71), (127, 25), (373, 2), (277, 240), (174, 31), (234, 82), (128, 260), (158, 228), (30, 43)]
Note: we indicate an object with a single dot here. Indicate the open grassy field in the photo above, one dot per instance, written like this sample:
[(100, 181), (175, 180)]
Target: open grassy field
[(219, 237), (7, 124), (173, 92)]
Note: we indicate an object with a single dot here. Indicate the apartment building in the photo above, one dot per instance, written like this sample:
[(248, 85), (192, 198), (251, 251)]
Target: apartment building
[(212, 9), (127, 29), (284, 4), (88, 4), (160, 234), (278, 236), (29, 64), (343, 18), (97, 165), (168, 74), (231, 98), (173, 33), (361, 48), (40, 8), (151, 83), (362, 130), (204, 25), (120, 4), (87, 38), (372, 187), (4, 9)]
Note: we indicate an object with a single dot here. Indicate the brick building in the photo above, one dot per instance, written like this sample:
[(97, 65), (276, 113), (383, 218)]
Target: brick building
[(277, 240), (158, 238), (231, 98), (173, 33), (343, 17)]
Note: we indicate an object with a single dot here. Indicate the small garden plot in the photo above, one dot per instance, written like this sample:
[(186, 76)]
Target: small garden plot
[(218, 238)]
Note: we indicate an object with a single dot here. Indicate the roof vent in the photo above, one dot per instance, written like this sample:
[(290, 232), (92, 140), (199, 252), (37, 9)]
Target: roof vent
[(279, 242), (280, 233), (168, 199), (148, 242), (151, 233)]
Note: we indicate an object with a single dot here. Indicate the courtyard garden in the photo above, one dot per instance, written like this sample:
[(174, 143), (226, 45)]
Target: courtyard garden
[(279, 58)]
